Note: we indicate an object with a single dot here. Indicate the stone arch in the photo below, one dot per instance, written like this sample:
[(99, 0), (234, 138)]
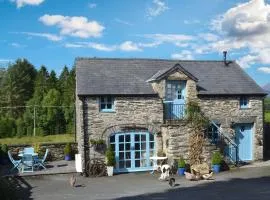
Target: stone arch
[(151, 128)]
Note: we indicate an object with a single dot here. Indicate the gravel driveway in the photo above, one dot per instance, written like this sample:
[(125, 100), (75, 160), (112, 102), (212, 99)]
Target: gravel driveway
[(249, 183)]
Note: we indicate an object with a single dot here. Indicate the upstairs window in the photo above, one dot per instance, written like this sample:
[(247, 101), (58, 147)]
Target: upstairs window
[(106, 104), (243, 102)]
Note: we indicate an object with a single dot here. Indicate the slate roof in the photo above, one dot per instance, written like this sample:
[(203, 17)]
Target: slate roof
[(108, 76)]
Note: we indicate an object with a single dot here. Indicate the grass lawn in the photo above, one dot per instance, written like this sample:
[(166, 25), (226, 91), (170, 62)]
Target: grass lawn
[(267, 117), (39, 139)]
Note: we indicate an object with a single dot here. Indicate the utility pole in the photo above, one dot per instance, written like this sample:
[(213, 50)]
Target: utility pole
[(34, 120)]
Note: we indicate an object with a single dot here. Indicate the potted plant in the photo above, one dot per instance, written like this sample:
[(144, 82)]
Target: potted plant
[(67, 151), (98, 144), (216, 161), (181, 166), (110, 161)]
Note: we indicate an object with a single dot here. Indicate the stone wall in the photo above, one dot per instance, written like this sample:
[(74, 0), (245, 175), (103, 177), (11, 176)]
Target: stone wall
[(128, 110), (226, 110), (56, 150)]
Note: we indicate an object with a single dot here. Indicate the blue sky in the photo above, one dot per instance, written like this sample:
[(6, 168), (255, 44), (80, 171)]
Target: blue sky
[(53, 32)]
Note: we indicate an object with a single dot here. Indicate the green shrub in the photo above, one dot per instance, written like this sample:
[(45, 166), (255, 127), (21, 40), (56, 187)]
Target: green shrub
[(216, 158), (97, 142), (110, 159), (4, 149), (67, 149), (181, 163)]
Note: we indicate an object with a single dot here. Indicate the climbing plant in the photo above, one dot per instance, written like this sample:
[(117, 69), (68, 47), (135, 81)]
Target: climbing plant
[(198, 123)]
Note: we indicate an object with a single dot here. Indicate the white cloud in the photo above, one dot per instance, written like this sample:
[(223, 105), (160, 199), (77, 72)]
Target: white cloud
[(21, 3), (16, 45), (129, 46), (92, 5), (120, 21), (183, 55), (74, 26), (210, 37), (194, 21), (264, 70), (4, 61), (51, 37), (97, 46), (157, 8), (176, 39), (246, 61)]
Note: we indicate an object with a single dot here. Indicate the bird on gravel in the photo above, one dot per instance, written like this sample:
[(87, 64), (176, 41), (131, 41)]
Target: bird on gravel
[(172, 182), (72, 180)]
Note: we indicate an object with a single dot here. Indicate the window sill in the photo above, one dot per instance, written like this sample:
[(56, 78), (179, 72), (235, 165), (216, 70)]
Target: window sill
[(245, 108), (107, 111)]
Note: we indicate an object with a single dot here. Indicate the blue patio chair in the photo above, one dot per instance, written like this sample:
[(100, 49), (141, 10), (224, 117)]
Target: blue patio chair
[(41, 162), (16, 163), (27, 163), (28, 150)]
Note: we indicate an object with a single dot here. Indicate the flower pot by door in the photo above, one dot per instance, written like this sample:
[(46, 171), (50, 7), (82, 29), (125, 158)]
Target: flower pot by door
[(67, 157), (216, 168), (181, 171), (110, 170)]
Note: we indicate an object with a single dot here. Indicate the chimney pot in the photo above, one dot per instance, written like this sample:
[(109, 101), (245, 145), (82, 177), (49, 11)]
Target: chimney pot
[(225, 57)]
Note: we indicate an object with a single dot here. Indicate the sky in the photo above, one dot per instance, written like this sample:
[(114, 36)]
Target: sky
[(54, 32)]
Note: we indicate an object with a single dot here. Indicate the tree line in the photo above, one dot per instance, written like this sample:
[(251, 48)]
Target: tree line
[(31, 98)]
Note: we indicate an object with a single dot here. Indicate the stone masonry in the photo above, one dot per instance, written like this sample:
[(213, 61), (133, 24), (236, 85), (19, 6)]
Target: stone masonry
[(172, 139)]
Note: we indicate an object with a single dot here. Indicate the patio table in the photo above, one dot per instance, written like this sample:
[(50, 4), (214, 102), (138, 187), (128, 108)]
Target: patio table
[(155, 159)]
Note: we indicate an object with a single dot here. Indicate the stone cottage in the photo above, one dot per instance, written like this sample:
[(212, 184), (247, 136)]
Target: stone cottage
[(138, 107)]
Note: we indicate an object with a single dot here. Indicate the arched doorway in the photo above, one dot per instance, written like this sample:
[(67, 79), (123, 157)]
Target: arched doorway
[(133, 150)]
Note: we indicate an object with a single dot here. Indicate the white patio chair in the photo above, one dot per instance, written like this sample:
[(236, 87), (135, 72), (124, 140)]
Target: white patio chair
[(16, 163), (27, 163), (41, 162), (28, 150)]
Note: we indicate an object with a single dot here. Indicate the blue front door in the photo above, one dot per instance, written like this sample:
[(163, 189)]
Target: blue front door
[(175, 99), (133, 150), (243, 138)]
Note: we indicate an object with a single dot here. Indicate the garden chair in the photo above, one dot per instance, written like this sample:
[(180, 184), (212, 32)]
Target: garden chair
[(28, 150), (27, 163), (41, 162), (16, 163)]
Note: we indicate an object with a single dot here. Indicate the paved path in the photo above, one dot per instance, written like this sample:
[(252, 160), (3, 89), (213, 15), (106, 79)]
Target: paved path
[(249, 183)]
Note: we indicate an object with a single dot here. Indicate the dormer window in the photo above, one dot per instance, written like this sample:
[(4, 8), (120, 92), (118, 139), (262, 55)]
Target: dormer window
[(106, 104), (244, 102)]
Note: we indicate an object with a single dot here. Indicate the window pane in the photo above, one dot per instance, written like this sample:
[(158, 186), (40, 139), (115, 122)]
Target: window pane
[(109, 99), (121, 164), (102, 99), (137, 146), (121, 147), (127, 138), (137, 154), (102, 106), (151, 137), (109, 106), (143, 138), (137, 163), (121, 138), (128, 155), (128, 164), (121, 156), (112, 139), (143, 146), (152, 145), (143, 163), (143, 154), (127, 146), (137, 138)]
